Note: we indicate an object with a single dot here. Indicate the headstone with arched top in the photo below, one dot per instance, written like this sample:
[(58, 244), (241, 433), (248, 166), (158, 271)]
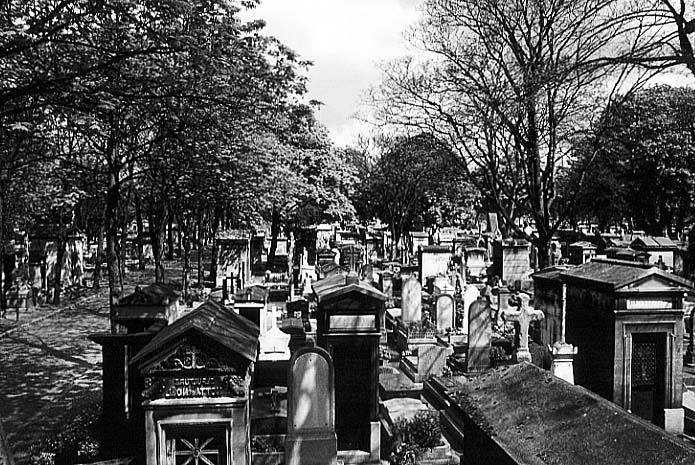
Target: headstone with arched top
[(311, 438)]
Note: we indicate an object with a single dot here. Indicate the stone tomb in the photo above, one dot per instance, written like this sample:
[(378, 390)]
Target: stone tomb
[(523, 415), (626, 320), (511, 259), (349, 317), (434, 261), (197, 374), (233, 260), (311, 438)]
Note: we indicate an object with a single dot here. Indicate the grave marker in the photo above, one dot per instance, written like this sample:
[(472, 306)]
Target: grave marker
[(446, 308), (311, 438), (411, 300), (479, 336), (524, 316)]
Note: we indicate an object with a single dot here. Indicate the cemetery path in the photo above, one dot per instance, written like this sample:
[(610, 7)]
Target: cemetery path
[(50, 370)]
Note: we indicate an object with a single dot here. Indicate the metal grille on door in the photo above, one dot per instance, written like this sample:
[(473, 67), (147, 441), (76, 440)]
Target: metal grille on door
[(643, 363)]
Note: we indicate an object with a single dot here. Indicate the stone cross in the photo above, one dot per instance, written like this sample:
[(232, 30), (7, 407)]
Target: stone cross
[(524, 316)]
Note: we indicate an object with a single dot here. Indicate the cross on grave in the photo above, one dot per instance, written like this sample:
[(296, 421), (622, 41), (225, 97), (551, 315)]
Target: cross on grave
[(524, 316)]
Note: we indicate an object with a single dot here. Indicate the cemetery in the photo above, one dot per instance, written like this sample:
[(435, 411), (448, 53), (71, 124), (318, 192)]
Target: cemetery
[(196, 268)]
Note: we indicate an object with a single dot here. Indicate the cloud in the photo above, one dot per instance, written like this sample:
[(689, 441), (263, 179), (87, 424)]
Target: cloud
[(345, 40)]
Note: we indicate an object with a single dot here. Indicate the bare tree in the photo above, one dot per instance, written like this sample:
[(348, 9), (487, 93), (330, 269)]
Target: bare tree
[(510, 84)]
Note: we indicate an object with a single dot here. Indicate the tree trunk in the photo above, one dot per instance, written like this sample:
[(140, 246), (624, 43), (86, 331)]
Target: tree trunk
[(170, 236), (186, 252), (3, 284), (140, 240), (215, 248), (200, 248), (274, 232), (115, 289), (157, 225), (96, 278), (60, 257)]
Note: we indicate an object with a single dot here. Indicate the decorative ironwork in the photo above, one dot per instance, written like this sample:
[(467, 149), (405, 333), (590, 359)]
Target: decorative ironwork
[(189, 357), (196, 451), (643, 363)]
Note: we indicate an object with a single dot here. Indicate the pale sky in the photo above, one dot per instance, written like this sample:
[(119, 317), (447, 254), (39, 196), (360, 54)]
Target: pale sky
[(345, 39)]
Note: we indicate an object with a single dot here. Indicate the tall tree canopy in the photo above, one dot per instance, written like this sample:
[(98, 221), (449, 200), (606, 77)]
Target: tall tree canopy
[(643, 171), (416, 181)]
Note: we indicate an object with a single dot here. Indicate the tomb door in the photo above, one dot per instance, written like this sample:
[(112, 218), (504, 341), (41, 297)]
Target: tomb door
[(353, 364), (204, 444), (648, 376)]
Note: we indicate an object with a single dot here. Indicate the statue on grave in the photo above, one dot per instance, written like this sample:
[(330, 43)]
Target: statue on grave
[(524, 316)]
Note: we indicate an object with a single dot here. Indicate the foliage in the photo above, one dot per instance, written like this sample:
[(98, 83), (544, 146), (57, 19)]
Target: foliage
[(75, 443), (414, 436), (265, 445), (415, 182), (642, 174)]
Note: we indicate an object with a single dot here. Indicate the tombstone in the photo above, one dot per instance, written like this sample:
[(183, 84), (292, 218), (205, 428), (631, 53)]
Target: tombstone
[(386, 282), (524, 316), (428, 360), (234, 258), (446, 309), (511, 259), (479, 336), (411, 301), (470, 295), (311, 438), (434, 260), (475, 262), (274, 344)]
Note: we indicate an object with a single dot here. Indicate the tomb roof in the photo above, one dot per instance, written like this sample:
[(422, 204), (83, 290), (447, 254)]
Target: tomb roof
[(552, 273), (419, 234), (538, 418), (583, 245), (153, 295), (252, 293), (234, 235), (653, 242), (338, 285), (435, 248), (618, 273), (215, 321)]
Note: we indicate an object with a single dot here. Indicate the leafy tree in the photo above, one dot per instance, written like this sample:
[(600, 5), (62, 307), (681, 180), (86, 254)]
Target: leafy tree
[(643, 171), (414, 181)]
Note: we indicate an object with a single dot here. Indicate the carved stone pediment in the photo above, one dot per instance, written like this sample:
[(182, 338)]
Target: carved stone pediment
[(191, 372)]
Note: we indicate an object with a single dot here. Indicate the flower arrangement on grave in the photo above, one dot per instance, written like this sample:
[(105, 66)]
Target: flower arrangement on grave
[(414, 437)]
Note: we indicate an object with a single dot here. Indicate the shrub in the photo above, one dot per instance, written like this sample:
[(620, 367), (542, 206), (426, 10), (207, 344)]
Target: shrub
[(414, 437), (75, 443)]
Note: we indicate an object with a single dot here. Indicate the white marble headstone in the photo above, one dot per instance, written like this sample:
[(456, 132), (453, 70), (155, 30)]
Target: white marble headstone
[(470, 295), (411, 301), (446, 309)]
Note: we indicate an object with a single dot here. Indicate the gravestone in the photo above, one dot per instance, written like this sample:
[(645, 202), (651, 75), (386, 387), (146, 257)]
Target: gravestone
[(411, 301), (524, 316), (470, 295), (479, 336), (446, 308), (311, 438), (386, 281)]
